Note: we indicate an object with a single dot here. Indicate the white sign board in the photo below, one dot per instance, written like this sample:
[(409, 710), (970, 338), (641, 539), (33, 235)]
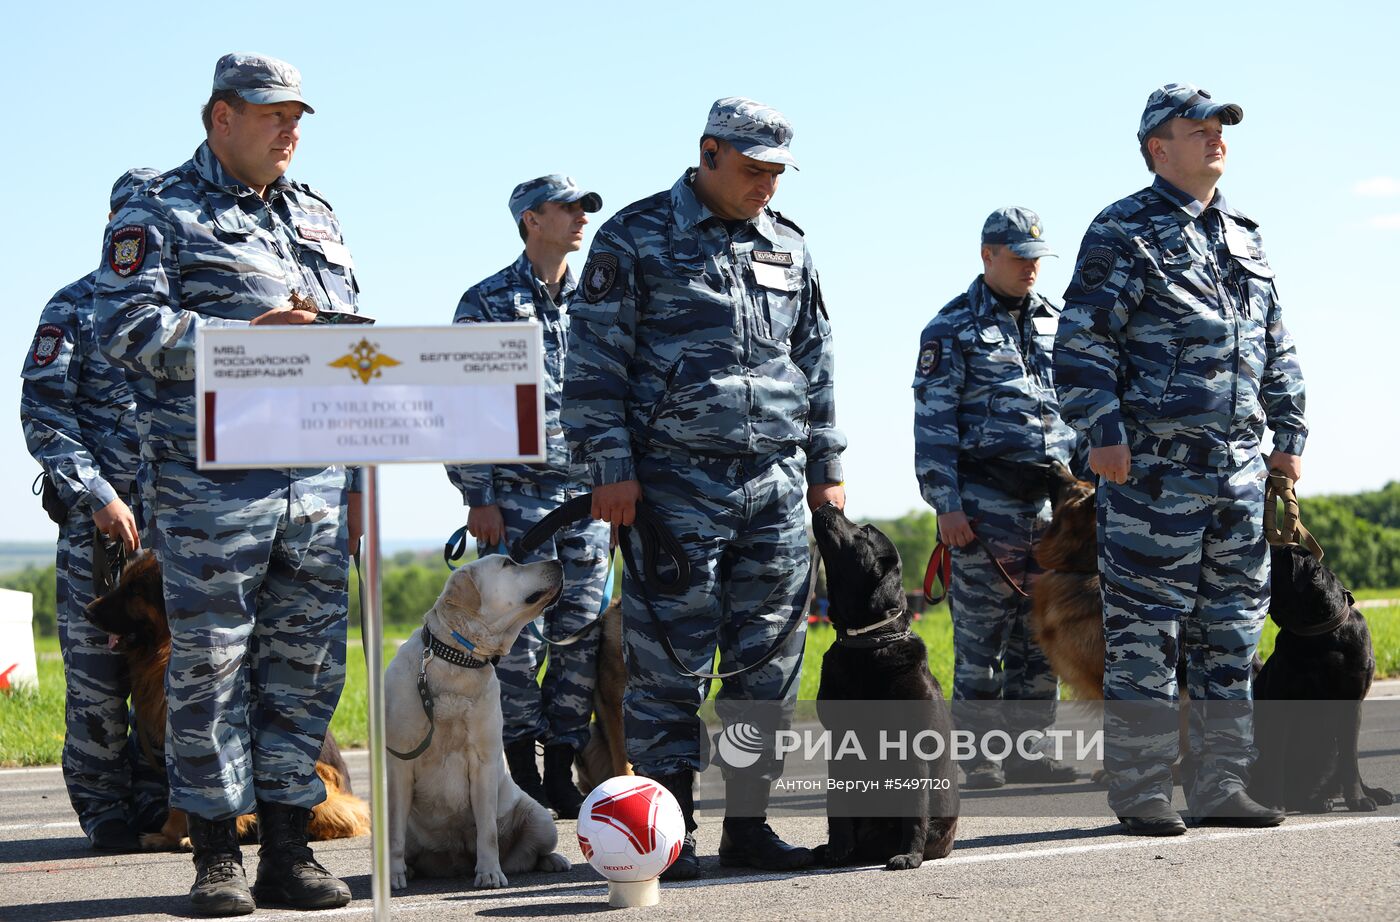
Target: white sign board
[(314, 395)]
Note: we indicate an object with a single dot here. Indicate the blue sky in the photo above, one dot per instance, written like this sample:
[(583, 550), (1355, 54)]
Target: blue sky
[(912, 123)]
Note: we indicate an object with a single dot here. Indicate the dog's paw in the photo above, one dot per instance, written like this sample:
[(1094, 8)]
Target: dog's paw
[(1361, 804), (552, 862), (904, 862), (490, 880), (832, 854), (1316, 805), (1381, 796), (398, 880)]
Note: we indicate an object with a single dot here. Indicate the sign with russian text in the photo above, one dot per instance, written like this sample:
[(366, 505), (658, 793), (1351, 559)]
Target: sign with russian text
[(316, 395)]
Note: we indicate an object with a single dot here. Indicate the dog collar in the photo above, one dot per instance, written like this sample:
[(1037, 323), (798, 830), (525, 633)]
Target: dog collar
[(452, 655), (856, 638)]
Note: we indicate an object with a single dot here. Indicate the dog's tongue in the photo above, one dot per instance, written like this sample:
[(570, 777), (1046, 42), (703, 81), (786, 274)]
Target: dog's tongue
[(112, 641)]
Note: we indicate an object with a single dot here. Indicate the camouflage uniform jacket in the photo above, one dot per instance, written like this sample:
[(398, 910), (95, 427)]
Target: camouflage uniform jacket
[(699, 337), (514, 294), (1172, 339), (984, 388), (197, 248), (75, 408)]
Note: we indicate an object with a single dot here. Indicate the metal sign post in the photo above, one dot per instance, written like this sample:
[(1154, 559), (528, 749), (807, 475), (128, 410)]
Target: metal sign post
[(311, 396)]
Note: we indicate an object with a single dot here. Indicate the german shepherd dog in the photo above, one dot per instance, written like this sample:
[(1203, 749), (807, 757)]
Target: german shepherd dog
[(604, 756), (877, 658), (134, 613)]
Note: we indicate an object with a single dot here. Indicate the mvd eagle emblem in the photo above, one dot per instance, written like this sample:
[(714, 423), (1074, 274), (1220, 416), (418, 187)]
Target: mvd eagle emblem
[(365, 361)]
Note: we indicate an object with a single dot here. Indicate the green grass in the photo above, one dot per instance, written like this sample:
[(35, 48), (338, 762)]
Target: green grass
[(31, 724)]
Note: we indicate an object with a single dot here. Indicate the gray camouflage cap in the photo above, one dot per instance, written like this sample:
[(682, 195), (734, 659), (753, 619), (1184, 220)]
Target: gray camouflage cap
[(127, 184), (757, 131), (1183, 100), (1018, 228), (258, 79), (556, 187)]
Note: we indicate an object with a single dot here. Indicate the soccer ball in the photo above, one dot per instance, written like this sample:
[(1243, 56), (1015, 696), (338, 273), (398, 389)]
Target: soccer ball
[(630, 828)]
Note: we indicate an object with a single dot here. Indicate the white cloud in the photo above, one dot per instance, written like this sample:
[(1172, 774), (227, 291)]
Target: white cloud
[(1377, 187), (1385, 222)]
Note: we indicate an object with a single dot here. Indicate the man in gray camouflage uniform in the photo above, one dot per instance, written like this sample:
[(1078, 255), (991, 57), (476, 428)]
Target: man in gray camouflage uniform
[(254, 562), (699, 379), (1171, 358), (986, 429), (76, 411), (506, 500)]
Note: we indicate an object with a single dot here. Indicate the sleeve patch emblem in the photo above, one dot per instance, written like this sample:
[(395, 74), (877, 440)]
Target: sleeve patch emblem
[(46, 343), (930, 353), (1096, 267), (599, 276), (127, 249)]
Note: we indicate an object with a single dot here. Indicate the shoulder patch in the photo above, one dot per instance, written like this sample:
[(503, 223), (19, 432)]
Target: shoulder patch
[(1096, 267), (930, 355), (127, 249), (46, 343), (599, 276)]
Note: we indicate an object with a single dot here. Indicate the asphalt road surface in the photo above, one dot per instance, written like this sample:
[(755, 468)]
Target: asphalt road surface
[(1025, 853)]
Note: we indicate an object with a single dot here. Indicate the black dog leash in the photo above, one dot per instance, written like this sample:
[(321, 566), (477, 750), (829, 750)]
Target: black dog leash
[(434, 647), (940, 567), (658, 546)]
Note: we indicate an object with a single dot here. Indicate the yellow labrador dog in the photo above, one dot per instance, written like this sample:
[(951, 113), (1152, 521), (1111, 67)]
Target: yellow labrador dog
[(453, 807)]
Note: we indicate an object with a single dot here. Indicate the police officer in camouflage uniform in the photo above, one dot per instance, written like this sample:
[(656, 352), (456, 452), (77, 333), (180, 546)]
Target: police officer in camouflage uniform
[(1171, 358), (699, 379), (254, 562), (986, 429), (76, 411), (506, 500)]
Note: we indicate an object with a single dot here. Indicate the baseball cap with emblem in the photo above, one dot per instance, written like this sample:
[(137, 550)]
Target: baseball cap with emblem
[(756, 131), (127, 184), (556, 187), (259, 79), (1018, 228), (1183, 100)]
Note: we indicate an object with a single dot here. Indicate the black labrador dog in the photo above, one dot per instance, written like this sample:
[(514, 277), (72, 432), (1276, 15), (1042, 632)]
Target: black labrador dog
[(1322, 665), (876, 658)]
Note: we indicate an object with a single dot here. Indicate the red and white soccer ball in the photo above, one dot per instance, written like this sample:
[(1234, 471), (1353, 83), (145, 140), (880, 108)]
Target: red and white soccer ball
[(630, 828)]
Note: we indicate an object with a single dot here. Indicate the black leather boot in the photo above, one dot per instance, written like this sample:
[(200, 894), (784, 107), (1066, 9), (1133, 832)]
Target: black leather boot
[(1043, 770), (1154, 818), (287, 871), (748, 841), (220, 886), (1240, 810), (681, 784), (559, 785), (520, 756)]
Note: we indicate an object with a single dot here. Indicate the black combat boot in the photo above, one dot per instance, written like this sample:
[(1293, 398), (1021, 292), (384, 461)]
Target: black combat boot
[(748, 841), (681, 784), (287, 871), (220, 887), (1044, 770), (1240, 810), (520, 756), (559, 785), (1153, 818)]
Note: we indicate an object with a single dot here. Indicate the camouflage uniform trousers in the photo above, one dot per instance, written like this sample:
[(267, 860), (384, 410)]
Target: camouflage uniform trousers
[(559, 711), (742, 524), (995, 658), (107, 774), (1183, 565), (254, 566)]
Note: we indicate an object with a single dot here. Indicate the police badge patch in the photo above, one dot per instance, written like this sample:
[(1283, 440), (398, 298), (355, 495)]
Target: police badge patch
[(1096, 267), (127, 249), (46, 343), (599, 275), (929, 355)]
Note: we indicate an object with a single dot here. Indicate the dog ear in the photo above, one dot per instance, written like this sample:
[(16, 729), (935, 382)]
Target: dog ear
[(461, 592)]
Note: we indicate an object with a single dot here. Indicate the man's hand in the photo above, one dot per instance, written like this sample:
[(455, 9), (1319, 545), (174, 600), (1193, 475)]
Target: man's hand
[(1291, 466), (280, 316), (955, 529), (487, 525), (1111, 462), (819, 494), (116, 521), (355, 519), (616, 503)]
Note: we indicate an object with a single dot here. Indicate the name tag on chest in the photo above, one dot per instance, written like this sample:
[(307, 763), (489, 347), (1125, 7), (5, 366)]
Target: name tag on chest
[(771, 276), (337, 253), (1045, 326)]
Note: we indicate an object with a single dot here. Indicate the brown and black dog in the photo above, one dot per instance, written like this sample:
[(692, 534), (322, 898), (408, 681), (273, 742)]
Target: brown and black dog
[(1067, 613), (134, 612), (604, 756)]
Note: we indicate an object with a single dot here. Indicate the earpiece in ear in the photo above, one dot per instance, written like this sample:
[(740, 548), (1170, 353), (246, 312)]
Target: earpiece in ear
[(709, 157)]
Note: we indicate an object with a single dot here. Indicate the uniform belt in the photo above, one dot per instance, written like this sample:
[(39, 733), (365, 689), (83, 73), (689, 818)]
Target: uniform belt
[(1197, 455), (750, 462)]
